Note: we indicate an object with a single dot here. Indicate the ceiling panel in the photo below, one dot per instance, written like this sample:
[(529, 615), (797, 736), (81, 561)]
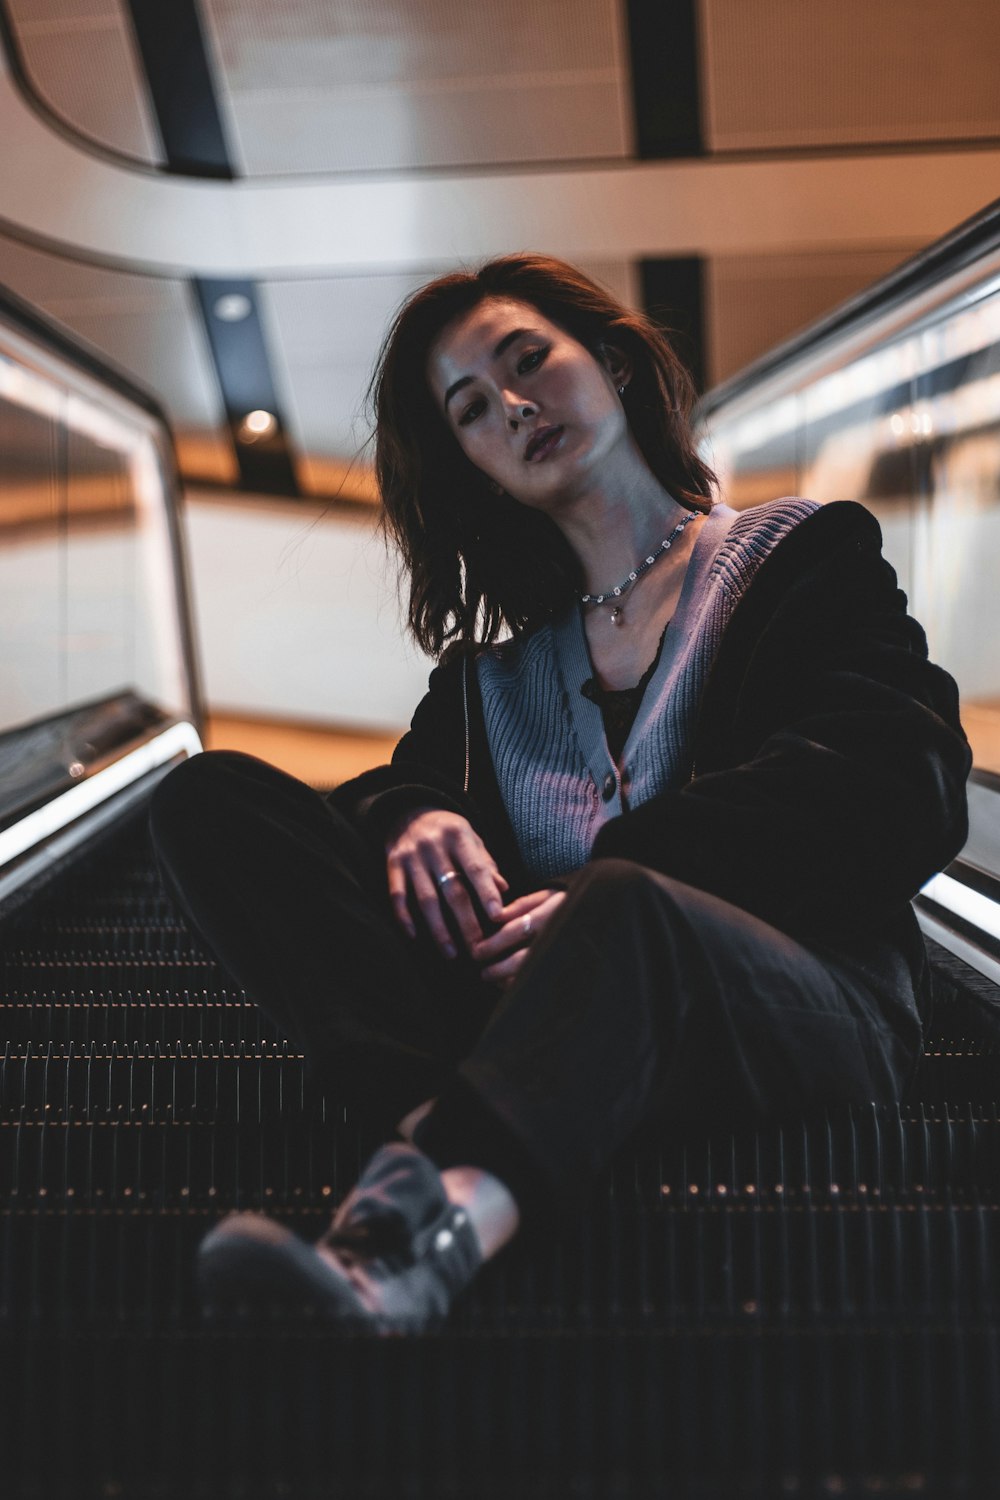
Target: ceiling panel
[(391, 128), (316, 44), (814, 73), (42, 12), (148, 327), (81, 59), (364, 84)]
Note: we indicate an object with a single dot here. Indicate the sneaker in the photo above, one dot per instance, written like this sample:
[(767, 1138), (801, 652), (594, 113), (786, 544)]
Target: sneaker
[(396, 1255)]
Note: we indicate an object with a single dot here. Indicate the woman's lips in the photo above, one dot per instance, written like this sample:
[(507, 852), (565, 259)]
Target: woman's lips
[(542, 444)]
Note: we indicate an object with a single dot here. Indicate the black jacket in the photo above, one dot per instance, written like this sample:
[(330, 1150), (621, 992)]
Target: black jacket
[(829, 760)]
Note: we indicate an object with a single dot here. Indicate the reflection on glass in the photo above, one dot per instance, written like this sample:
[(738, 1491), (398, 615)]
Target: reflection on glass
[(31, 676), (957, 530), (911, 429), (755, 454), (852, 451), (89, 604)]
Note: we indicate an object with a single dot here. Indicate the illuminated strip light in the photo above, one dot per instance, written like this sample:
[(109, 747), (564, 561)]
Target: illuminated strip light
[(958, 333), (962, 901), (69, 806), (49, 395)]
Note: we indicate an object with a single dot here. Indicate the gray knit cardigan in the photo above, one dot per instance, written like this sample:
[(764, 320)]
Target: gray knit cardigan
[(555, 773)]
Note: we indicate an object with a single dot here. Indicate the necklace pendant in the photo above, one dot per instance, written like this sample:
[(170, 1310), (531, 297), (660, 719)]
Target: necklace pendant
[(617, 615)]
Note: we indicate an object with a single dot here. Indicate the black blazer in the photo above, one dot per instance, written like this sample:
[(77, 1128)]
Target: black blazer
[(829, 759)]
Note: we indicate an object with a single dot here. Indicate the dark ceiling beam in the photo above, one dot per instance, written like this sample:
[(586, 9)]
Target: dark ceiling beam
[(673, 295), (666, 101), (231, 316), (666, 78), (183, 94), (172, 47)]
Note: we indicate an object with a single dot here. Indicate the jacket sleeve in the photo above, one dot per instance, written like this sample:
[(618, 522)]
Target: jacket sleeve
[(427, 767), (829, 784)]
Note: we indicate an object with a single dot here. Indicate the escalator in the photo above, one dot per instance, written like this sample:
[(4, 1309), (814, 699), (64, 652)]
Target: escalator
[(807, 1308)]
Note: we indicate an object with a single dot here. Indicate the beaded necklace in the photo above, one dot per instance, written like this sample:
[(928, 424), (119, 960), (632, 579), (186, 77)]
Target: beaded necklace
[(612, 596)]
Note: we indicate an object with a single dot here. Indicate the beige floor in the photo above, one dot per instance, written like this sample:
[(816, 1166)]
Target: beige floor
[(982, 725), (322, 757)]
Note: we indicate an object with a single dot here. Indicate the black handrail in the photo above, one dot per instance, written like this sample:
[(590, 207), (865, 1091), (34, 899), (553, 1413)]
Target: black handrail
[(959, 248), (29, 320)]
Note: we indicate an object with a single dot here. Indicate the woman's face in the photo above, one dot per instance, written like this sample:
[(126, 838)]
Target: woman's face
[(531, 407)]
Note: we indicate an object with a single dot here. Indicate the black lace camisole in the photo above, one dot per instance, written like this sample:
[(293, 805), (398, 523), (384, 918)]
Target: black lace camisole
[(619, 706)]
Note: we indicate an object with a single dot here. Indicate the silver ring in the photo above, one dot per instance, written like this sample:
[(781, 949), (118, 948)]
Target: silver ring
[(527, 927), (445, 876)]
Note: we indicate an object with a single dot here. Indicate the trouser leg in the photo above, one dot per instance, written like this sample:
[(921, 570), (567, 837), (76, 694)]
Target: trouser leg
[(646, 998), (293, 904)]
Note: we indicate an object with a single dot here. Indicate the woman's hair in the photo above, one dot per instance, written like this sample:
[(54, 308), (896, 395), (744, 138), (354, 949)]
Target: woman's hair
[(479, 562)]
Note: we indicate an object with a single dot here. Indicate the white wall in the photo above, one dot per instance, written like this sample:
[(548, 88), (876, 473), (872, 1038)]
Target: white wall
[(296, 615)]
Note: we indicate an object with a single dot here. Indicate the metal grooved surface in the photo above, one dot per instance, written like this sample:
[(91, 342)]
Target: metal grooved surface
[(808, 1308)]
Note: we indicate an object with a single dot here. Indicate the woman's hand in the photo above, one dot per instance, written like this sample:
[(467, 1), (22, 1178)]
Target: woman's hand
[(432, 859), (505, 950)]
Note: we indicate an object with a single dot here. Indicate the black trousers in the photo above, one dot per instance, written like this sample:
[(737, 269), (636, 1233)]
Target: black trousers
[(643, 998)]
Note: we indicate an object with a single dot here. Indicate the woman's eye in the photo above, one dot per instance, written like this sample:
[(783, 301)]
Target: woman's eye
[(531, 360), (470, 413)]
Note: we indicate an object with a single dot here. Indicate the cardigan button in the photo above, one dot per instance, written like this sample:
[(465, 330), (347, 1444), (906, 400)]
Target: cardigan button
[(610, 787)]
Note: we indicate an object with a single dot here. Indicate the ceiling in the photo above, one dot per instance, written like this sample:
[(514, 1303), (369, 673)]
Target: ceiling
[(368, 144)]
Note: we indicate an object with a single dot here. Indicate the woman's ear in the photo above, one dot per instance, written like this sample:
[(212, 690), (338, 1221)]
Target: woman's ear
[(617, 364)]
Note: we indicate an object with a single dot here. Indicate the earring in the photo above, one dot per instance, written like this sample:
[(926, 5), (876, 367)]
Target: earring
[(621, 390)]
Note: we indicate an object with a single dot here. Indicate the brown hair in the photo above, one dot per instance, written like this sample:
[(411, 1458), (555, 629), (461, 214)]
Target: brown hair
[(479, 562)]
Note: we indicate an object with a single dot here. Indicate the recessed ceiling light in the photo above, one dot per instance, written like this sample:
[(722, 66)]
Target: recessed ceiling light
[(256, 425), (232, 308)]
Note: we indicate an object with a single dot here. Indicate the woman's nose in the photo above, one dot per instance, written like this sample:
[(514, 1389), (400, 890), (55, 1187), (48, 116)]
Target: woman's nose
[(519, 411)]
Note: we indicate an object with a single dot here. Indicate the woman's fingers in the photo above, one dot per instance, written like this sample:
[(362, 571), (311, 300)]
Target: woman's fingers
[(453, 891), (473, 859), (428, 896), (511, 937), (469, 876), (523, 905), (435, 889), (523, 920), (436, 862), (506, 970)]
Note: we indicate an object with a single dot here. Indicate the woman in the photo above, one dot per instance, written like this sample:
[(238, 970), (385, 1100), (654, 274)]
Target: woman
[(649, 857)]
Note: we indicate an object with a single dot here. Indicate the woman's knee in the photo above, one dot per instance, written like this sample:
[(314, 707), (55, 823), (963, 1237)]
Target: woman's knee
[(226, 811), (195, 791), (624, 908), (612, 884)]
